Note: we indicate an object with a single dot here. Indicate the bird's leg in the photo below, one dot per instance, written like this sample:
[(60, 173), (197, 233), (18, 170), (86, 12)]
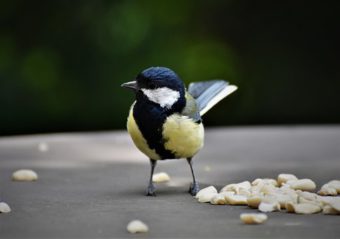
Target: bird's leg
[(150, 191), (194, 187)]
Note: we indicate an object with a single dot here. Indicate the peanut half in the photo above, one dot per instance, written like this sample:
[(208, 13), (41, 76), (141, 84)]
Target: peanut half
[(253, 218), (24, 175), (137, 226)]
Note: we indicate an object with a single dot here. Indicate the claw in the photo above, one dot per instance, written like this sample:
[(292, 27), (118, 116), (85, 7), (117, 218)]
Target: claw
[(151, 190), (194, 188), (151, 194)]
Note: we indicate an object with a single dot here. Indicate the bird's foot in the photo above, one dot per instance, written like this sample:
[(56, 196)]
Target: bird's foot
[(194, 188), (151, 190)]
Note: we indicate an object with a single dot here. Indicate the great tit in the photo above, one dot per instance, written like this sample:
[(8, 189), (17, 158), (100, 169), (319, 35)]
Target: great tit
[(165, 121)]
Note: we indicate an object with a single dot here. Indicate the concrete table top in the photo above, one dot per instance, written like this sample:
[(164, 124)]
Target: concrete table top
[(92, 184)]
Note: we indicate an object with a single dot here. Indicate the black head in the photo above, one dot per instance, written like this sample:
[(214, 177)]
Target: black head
[(157, 77), (158, 84)]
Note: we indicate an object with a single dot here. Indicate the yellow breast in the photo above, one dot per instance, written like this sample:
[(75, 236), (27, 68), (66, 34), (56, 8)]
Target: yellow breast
[(138, 138), (182, 136)]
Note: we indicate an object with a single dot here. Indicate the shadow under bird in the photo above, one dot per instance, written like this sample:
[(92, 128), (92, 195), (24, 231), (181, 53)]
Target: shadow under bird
[(165, 120)]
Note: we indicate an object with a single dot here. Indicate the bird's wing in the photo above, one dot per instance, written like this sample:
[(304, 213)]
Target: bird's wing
[(209, 93)]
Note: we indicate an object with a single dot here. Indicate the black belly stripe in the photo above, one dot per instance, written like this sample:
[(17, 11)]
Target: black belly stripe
[(150, 118)]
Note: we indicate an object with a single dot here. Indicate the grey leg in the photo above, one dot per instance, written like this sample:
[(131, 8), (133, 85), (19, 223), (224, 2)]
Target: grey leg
[(194, 187), (150, 191)]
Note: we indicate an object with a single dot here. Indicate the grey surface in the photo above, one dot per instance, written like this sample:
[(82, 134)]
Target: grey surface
[(92, 184)]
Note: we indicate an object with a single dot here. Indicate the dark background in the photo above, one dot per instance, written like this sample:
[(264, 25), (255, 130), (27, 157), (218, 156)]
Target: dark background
[(62, 62)]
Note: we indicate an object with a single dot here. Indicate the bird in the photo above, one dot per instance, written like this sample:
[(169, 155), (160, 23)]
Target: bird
[(165, 121)]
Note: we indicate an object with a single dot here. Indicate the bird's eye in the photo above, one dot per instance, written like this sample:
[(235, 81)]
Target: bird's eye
[(152, 86)]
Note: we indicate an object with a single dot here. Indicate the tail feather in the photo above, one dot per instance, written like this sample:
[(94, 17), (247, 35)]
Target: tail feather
[(209, 93)]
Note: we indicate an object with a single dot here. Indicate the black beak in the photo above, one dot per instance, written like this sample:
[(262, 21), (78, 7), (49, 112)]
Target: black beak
[(130, 85)]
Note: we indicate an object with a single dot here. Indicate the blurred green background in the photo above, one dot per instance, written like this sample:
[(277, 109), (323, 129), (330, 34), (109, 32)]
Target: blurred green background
[(62, 62)]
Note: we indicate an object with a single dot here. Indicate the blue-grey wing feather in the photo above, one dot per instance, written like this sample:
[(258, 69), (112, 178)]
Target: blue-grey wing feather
[(205, 91)]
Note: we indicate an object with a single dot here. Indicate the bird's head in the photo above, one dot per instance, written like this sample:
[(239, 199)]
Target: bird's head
[(159, 85)]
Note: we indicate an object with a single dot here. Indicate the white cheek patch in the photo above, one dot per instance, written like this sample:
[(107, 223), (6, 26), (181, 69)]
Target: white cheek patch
[(164, 96)]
